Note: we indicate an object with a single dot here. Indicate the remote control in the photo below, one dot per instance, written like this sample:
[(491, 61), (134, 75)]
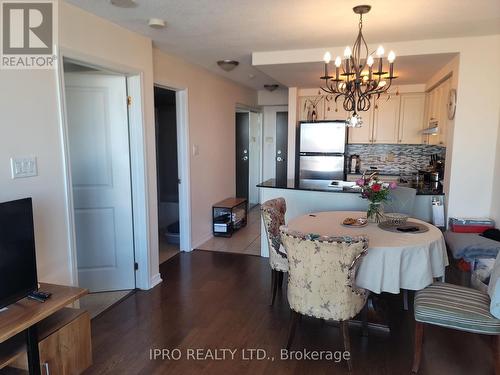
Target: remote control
[(43, 294), (39, 296), (36, 298)]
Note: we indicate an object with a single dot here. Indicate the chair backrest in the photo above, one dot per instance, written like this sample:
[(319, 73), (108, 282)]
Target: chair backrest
[(322, 272), (401, 200), (273, 214)]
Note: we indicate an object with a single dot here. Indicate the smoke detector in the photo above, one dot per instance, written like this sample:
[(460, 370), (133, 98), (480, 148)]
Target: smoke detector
[(228, 65), (156, 23)]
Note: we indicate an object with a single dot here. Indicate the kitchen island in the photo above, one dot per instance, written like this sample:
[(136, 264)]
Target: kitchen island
[(307, 196)]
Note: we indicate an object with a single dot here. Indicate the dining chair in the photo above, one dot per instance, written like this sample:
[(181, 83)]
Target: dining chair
[(321, 279), (455, 307), (401, 200), (273, 214)]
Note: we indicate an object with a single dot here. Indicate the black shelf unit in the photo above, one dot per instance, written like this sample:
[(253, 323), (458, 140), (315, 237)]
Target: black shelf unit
[(228, 216)]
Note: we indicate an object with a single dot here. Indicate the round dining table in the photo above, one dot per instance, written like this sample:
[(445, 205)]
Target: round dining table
[(394, 260)]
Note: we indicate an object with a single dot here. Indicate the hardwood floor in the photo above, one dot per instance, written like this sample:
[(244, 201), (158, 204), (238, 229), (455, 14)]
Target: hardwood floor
[(213, 300)]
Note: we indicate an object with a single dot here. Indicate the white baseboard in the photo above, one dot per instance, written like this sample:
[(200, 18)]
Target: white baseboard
[(155, 280)]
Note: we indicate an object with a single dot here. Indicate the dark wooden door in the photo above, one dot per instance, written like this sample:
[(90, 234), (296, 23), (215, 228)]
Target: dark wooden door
[(242, 154), (281, 156)]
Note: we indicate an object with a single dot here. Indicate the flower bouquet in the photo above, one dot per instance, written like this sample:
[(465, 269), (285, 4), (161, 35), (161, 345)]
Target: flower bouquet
[(377, 193)]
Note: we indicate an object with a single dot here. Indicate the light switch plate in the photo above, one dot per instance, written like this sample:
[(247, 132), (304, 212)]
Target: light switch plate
[(196, 150), (23, 167)]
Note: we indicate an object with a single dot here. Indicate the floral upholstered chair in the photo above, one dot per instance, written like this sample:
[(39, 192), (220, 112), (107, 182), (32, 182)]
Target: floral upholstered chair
[(321, 278), (273, 214)]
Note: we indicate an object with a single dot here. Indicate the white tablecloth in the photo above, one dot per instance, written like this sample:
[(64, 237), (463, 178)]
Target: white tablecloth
[(394, 260)]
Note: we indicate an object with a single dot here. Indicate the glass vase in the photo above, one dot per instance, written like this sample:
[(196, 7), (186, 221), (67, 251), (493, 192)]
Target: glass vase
[(375, 213)]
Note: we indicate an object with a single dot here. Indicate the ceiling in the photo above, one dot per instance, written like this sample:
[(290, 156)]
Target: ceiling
[(408, 69), (204, 31)]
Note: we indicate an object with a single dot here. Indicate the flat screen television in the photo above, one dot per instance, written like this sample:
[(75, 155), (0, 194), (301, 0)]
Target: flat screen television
[(17, 251)]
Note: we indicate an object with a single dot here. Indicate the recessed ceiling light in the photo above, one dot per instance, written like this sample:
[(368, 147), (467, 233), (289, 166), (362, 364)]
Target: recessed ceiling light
[(156, 23), (271, 87), (124, 3), (228, 65)]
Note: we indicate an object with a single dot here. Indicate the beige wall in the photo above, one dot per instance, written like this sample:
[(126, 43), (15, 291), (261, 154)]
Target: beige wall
[(495, 198), (211, 104), (30, 126)]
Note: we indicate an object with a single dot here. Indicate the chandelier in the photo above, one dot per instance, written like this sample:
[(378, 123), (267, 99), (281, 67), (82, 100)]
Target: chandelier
[(355, 79)]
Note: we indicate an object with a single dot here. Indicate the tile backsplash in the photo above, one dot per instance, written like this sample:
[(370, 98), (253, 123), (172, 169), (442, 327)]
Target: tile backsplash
[(394, 159)]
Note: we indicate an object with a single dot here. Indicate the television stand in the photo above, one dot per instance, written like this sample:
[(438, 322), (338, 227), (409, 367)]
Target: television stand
[(29, 328)]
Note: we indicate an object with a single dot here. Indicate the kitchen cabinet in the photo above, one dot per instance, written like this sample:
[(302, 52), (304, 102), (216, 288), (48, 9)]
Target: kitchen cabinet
[(386, 119), (364, 134), (393, 119), (436, 110), (411, 118), (334, 111)]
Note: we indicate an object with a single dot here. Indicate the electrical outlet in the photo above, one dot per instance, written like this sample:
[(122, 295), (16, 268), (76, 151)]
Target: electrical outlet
[(23, 167)]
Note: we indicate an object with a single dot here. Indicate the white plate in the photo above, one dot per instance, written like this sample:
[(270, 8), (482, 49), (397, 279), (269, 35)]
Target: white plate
[(357, 225)]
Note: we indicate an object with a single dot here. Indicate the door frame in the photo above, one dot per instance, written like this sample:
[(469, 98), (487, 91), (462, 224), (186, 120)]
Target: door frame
[(183, 164), (144, 277), (259, 111)]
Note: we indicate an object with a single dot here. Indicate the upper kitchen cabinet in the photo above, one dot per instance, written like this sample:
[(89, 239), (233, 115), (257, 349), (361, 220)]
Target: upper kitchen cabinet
[(436, 111), (334, 110), (364, 134), (310, 106), (393, 119), (411, 118), (386, 119)]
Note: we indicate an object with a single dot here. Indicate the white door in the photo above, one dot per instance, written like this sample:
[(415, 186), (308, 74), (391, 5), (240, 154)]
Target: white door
[(100, 172)]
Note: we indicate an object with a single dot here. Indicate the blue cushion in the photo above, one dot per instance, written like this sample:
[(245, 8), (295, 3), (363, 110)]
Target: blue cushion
[(456, 307)]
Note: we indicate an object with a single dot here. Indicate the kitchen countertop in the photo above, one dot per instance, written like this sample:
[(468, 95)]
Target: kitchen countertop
[(323, 185)]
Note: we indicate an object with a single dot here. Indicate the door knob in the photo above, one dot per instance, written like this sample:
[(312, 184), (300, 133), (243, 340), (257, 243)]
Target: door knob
[(279, 158), (245, 158)]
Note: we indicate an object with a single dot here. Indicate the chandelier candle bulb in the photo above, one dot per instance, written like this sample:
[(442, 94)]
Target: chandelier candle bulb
[(391, 57), (369, 62), (338, 63), (347, 52), (327, 57), (380, 51)]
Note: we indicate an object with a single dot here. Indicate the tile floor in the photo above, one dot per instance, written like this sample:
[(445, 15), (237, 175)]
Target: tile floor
[(96, 303), (167, 250), (244, 241)]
